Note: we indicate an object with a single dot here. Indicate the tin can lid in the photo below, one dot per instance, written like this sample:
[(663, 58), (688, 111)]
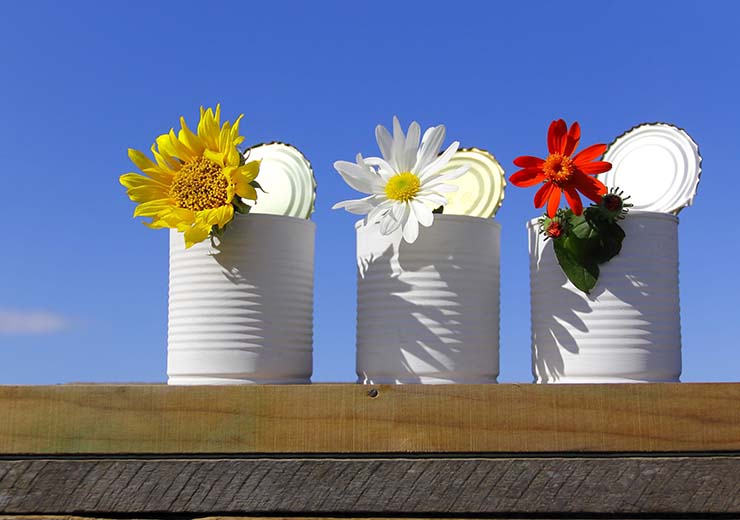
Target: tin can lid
[(480, 191), (658, 165), (287, 179)]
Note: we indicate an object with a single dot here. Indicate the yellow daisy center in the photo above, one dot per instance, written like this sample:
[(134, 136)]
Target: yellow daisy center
[(403, 187), (200, 184), (558, 168)]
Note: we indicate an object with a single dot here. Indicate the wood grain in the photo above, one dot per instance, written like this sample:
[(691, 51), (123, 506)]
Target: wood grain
[(151, 419), (373, 487)]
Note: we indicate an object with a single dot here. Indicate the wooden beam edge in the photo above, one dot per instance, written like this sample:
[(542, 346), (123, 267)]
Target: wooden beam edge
[(326, 419)]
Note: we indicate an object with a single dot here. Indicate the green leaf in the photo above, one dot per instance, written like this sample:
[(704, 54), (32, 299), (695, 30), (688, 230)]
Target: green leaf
[(610, 242), (582, 227), (256, 185), (240, 206), (577, 265)]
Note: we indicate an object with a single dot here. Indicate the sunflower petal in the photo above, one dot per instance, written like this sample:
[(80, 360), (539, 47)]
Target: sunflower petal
[(152, 208), (217, 216), (190, 139), (216, 157), (140, 160), (147, 193), (134, 180), (195, 234)]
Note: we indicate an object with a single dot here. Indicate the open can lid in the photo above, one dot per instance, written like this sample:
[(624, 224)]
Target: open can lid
[(287, 179), (657, 165), (480, 191)]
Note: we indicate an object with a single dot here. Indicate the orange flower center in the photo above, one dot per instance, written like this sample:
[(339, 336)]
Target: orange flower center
[(558, 168), (200, 184)]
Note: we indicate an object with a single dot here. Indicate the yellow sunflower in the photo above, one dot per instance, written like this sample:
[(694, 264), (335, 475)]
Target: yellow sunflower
[(197, 179)]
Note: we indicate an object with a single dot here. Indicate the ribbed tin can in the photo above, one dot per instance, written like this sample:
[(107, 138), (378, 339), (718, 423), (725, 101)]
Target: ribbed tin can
[(241, 309), (628, 329), (428, 312)]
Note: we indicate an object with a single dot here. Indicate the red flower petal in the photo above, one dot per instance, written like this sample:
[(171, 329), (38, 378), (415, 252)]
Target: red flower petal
[(556, 136), (554, 202), (527, 177), (527, 161), (589, 186), (573, 199), (594, 168), (571, 141), (591, 153), (543, 194)]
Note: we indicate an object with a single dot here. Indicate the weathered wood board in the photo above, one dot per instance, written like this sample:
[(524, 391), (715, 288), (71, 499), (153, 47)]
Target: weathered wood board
[(325, 419), (373, 486)]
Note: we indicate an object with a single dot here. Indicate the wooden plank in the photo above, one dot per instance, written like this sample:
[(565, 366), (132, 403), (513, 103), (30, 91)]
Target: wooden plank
[(148, 419), (374, 487)]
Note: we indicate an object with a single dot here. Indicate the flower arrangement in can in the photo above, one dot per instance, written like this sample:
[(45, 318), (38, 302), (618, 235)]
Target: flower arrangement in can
[(407, 184), (583, 238), (197, 181)]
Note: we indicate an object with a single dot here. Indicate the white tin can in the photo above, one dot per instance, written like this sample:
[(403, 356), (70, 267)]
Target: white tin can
[(428, 312), (241, 309), (628, 329)]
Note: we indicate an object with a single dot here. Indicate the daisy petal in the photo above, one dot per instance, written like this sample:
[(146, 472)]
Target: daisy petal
[(437, 164), (357, 206), (385, 141), (359, 178), (440, 188), (399, 142), (411, 229), (430, 145), (379, 211), (394, 219), (410, 149), (388, 225), (423, 214), (454, 174), (385, 170), (434, 199)]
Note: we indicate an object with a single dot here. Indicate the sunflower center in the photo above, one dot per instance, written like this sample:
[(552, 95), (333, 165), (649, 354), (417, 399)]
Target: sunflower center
[(403, 187), (558, 168), (200, 184)]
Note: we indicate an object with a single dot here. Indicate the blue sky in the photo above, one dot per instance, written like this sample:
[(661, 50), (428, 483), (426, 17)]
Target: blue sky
[(83, 81)]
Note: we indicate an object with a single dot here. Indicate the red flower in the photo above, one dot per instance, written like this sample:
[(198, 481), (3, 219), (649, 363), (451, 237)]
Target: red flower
[(554, 229), (562, 173)]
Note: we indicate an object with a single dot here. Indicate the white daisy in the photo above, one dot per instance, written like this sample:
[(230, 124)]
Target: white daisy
[(405, 185)]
